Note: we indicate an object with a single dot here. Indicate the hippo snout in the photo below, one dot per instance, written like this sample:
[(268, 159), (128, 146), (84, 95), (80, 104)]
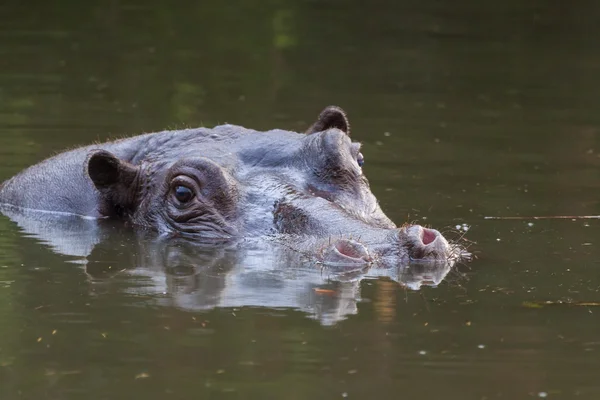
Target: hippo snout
[(412, 243)]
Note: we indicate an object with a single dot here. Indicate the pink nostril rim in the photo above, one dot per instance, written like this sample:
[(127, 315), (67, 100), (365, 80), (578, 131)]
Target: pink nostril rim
[(351, 249), (428, 236), (346, 252)]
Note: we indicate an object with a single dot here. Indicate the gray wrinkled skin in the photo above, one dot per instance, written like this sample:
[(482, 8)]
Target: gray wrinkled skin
[(305, 191)]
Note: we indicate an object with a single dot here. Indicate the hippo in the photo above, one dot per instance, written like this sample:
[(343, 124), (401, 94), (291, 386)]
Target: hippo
[(305, 191)]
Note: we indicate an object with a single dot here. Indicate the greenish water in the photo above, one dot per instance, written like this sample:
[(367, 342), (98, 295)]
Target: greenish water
[(466, 109)]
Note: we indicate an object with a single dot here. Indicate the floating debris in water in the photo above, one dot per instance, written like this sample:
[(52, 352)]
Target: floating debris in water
[(6, 362), (324, 291), (571, 217), (542, 394), (530, 304), (463, 227), (541, 304), (52, 372)]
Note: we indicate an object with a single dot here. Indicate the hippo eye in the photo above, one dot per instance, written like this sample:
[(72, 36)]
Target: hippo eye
[(183, 194), (360, 160)]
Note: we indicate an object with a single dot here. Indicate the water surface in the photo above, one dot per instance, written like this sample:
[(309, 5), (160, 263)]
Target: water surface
[(466, 109)]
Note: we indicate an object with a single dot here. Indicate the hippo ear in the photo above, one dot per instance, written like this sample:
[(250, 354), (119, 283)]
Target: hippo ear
[(114, 179), (331, 117)]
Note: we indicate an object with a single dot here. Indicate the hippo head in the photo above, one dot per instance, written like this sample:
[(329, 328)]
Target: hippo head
[(306, 190)]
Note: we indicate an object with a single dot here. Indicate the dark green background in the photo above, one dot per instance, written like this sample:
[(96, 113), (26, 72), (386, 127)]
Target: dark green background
[(465, 108)]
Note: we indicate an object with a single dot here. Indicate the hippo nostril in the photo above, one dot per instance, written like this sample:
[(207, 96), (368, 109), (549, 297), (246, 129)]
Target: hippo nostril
[(425, 244), (346, 252), (351, 249), (428, 236)]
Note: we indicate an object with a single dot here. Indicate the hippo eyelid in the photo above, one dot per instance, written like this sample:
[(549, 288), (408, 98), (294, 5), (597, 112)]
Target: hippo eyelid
[(185, 180)]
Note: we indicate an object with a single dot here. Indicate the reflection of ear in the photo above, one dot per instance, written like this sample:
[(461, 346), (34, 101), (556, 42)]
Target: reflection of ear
[(331, 117), (114, 179)]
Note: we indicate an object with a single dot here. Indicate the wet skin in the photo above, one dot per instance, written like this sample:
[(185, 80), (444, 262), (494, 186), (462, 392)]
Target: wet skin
[(304, 190)]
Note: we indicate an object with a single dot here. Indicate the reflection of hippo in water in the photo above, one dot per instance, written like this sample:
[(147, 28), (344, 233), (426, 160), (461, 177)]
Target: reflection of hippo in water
[(306, 191), (182, 273), (204, 278)]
